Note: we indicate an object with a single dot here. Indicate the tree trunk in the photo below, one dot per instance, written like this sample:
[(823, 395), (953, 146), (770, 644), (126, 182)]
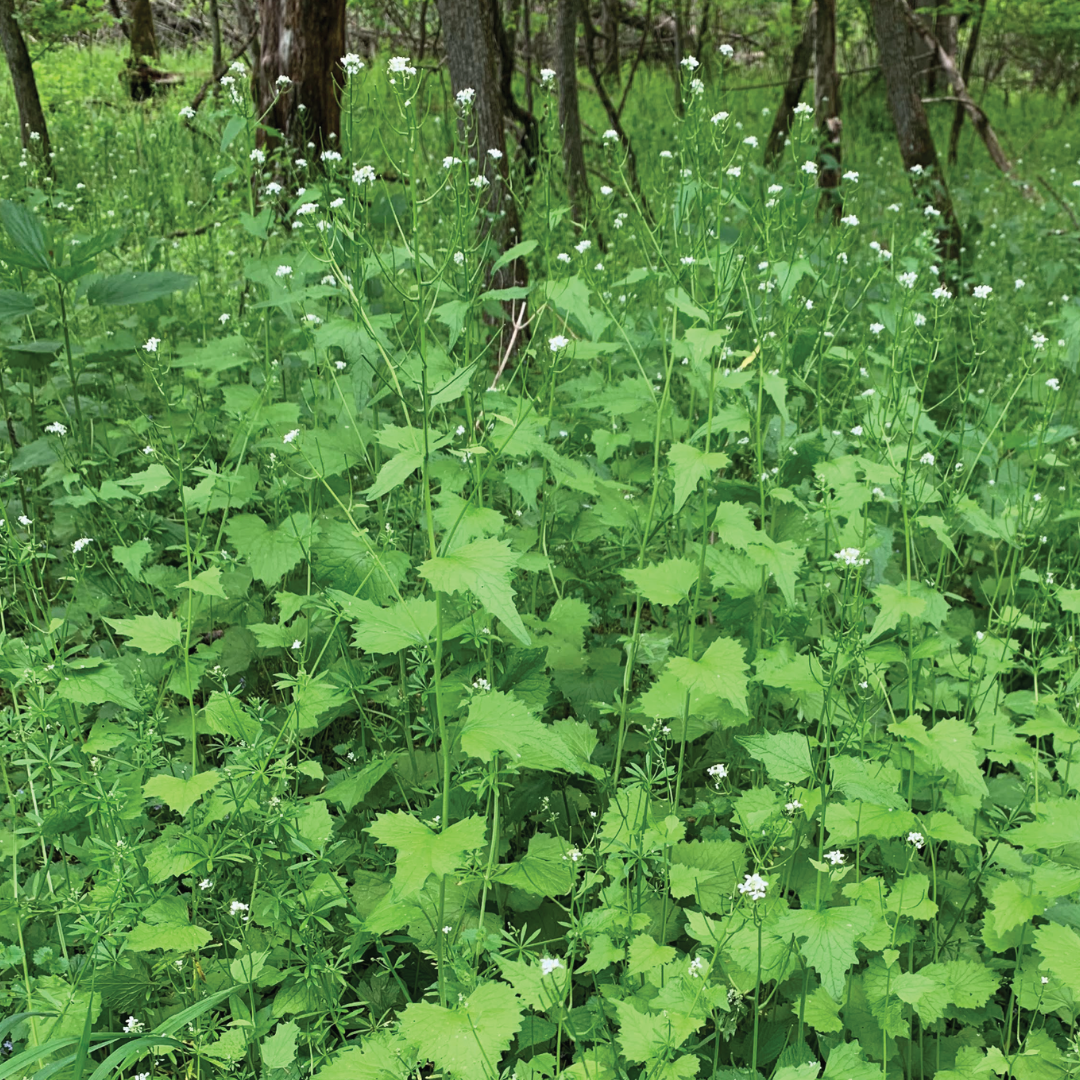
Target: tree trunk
[(249, 29), (304, 40), (827, 107), (472, 56), (577, 186), (215, 39), (912, 127), (144, 48), (609, 27), (793, 89), (965, 73), (31, 117)]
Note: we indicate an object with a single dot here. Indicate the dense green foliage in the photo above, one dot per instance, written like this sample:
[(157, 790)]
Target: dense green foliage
[(690, 690)]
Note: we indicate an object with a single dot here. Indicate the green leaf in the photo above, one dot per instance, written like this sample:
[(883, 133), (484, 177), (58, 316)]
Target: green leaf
[(272, 553), (422, 852), (544, 870), (148, 937), (385, 630), (911, 896), (180, 794), (688, 466), (645, 1037), (518, 251), (152, 479), (785, 755), (131, 557), (14, 305), (666, 583), (150, 633), (469, 1041), (827, 940), (720, 671), (208, 583), (846, 1062), (96, 685), (1060, 948), (646, 954), (314, 825), (279, 1050), (138, 287), (394, 473), (26, 233), (484, 568), (914, 600), (821, 1012), (499, 723)]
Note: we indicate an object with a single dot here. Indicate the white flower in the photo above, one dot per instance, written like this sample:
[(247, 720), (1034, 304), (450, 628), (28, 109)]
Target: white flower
[(562, 257), (56, 428), (205, 884), (792, 806), (297, 643), (690, 63), (133, 1026), (697, 86), (307, 208), (835, 857), (258, 156), (300, 163), (330, 155), (224, 317), (751, 141), (809, 305), (399, 65), (931, 211), (726, 50), (810, 168), (273, 188), (857, 430), (459, 258), (917, 170), (548, 964), (611, 135), (852, 176), (447, 162), (558, 342), (290, 436), (927, 459), (687, 260), (850, 219), (876, 327), (583, 246), (774, 189), (1054, 384), (981, 292), (850, 557), (916, 838), (352, 64), (187, 112), (719, 118), (908, 279), (547, 75), (754, 886), (312, 318), (447, 929), (1019, 283), (152, 344), (919, 319), (340, 365), (605, 190), (236, 907), (802, 109), (697, 965), (283, 272), (80, 544), (480, 181), (148, 449), (1038, 340), (465, 97), (941, 293), (365, 174), (718, 772)]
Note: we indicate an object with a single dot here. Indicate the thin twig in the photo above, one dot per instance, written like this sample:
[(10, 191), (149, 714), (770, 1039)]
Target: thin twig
[(1061, 202), (518, 327)]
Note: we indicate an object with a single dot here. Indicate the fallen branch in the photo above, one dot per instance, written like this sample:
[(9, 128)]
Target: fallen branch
[(1061, 202), (979, 119)]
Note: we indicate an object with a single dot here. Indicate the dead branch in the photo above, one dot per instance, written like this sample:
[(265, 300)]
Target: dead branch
[(979, 119)]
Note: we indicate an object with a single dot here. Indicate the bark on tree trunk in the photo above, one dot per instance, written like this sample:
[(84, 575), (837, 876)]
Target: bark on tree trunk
[(912, 127), (249, 29), (144, 48), (609, 27), (793, 89), (827, 107), (304, 40), (31, 116), (472, 57), (577, 186), (969, 63), (215, 37)]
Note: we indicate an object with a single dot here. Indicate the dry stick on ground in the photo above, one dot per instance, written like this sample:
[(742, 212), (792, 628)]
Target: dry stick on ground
[(1061, 202), (979, 119), (518, 326)]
